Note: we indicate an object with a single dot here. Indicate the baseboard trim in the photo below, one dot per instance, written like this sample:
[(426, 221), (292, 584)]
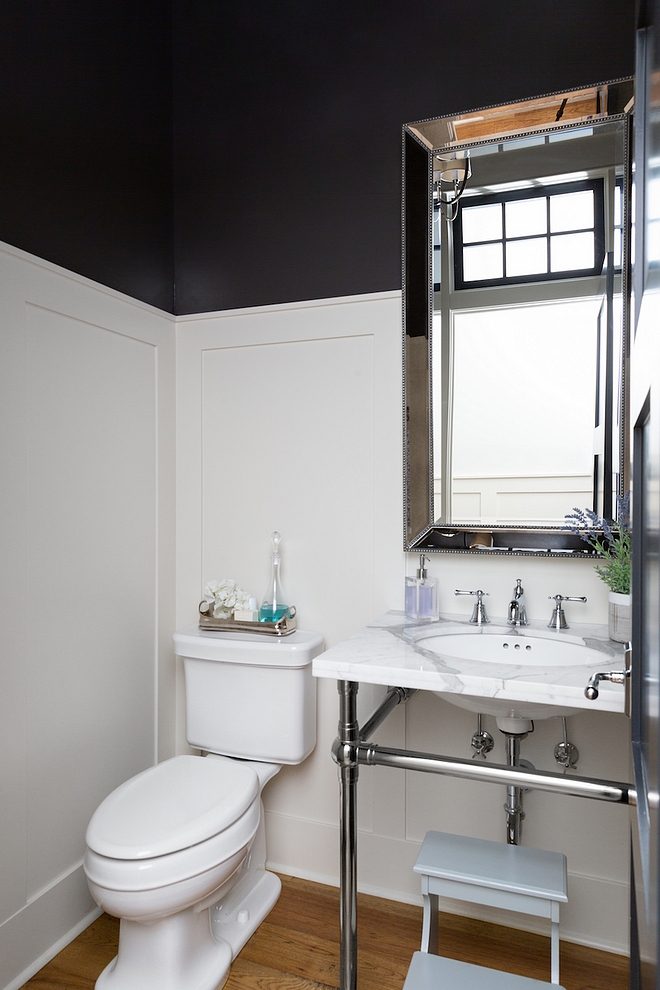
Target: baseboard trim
[(461, 909), (595, 916), (43, 927), (50, 953)]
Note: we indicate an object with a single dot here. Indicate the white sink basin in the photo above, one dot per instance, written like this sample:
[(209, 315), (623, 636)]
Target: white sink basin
[(498, 647), (516, 655)]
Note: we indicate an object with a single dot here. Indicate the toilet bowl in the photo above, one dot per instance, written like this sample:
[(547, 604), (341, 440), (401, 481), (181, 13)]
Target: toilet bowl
[(178, 852), (161, 849)]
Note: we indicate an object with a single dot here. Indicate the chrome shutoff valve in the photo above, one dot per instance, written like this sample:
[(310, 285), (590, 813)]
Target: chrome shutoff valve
[(482, 742), (566, 754)]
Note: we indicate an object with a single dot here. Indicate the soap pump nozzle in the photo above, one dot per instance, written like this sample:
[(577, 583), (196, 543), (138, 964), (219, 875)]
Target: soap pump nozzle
[(421, 570)]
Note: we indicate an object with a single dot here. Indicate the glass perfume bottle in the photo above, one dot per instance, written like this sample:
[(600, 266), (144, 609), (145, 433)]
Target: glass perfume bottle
[(421, 594), (274, 605)]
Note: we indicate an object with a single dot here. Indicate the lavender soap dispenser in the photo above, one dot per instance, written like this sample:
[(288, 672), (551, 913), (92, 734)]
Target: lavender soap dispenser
[(421, 594)]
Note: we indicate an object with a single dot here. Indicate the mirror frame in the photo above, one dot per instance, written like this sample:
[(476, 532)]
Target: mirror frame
[(421, 532)]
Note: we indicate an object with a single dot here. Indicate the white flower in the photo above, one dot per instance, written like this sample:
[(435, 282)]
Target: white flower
[(226, 597)]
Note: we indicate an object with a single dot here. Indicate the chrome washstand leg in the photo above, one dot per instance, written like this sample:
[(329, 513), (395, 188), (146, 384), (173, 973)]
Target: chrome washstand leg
[(345, 755), (345, 752)]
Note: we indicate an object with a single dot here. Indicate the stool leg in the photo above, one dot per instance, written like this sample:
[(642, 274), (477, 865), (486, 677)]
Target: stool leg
[(430, 924), (554, 953)]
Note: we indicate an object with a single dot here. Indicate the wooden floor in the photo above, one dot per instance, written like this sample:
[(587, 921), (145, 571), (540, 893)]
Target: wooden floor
[(297, 948)]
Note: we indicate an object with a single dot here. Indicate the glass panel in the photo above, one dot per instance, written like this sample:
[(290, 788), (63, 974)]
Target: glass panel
[(528, 257), (437, 236), (570, 135), (484, 261), (653, 240), (653, 225), (571, 252), (526, 216), (506, 445), (618, 199), (525, 143), (482, 223), (617, 248), (572, 211)]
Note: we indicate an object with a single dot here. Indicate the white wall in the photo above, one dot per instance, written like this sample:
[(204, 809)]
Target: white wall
[(87, 448), (289, 418)]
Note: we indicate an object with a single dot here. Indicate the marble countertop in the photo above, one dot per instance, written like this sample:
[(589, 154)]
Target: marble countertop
[(387, 652)]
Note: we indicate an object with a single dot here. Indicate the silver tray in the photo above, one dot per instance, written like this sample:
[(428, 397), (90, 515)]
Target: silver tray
[(283, 627)]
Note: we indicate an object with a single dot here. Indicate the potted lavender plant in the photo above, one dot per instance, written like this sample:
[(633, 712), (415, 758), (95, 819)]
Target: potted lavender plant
[(612, 540)]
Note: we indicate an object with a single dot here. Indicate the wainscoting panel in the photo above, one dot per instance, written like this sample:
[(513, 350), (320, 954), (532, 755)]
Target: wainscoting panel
[(86, 454)]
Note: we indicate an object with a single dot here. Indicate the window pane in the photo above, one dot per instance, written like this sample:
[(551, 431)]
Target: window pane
[(570, 135), (653, 229), (570, 252), (526, 216), (529, 257), (653, 241), (572, 211), (482, 223), (484, 261), (617, 249)]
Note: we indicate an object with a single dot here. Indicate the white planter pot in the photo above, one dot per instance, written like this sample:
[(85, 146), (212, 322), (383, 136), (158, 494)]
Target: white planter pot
[(619, 617)]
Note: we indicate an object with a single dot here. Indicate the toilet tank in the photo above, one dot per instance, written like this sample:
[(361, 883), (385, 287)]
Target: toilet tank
[(250, 695)]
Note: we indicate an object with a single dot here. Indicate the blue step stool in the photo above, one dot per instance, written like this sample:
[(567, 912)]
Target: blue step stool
[(514, 878), (428, 972)]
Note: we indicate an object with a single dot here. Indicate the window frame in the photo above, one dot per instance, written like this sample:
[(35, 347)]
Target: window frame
[(547, 191)]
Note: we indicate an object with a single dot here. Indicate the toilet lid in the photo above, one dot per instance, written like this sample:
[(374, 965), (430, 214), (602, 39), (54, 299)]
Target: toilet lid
[(171, 806)]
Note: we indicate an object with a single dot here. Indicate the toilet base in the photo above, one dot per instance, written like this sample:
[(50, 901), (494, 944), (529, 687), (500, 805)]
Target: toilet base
[(174, 953), (236, 918), (192, 950)]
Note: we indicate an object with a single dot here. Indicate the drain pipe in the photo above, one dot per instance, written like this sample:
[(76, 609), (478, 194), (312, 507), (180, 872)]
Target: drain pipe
[(514, 795), (514, 730)]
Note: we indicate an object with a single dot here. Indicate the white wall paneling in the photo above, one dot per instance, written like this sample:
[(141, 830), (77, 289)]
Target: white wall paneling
[(289, 418), (88, 581)]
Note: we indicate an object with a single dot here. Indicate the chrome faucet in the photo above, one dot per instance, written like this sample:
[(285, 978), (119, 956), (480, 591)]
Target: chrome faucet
[(517, 614), (478, 617)]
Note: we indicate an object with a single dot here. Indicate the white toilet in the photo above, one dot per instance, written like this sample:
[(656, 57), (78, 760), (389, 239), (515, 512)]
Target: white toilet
[(178, 852)]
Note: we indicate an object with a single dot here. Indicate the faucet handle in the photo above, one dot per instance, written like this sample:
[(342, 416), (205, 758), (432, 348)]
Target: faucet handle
[(479, 616), (558, 618)]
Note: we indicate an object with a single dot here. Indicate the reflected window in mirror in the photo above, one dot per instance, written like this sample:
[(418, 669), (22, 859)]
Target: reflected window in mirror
[(525, 235)]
